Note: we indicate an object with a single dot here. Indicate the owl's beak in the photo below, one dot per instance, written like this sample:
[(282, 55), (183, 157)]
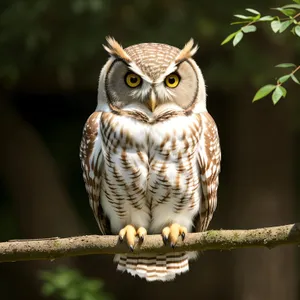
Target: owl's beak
[(151, 103)]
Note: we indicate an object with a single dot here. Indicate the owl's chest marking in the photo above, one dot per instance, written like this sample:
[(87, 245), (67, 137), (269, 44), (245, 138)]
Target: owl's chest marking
[(150, 168)]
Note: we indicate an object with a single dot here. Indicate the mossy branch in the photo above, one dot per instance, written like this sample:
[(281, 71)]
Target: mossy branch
[(53, 248)]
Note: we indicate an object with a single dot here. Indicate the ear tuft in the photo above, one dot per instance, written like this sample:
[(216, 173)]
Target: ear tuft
[(115, 49), (187, 52)]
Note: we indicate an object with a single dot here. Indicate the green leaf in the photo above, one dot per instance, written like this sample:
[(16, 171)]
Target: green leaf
[(243, 17), (296, 6), (275, 25), (249, 28), (288, 11), (297, 1), (283, 90), (238, 38), (295, 79), (253, 11), (264, 91), (266, 18), (230, 37), (297, 30), (284, 78), (285, 65), (277, 94), (285, 25)]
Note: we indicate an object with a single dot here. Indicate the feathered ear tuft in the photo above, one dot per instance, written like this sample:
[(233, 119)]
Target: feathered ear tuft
[(115, 49), (187, 52)]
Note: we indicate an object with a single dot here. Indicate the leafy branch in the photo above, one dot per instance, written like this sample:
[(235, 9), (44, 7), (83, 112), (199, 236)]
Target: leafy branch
[(52, 248), (278, 90), (279, 24)]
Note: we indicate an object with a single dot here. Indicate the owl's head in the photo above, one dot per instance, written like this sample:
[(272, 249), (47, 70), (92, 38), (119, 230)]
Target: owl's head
[(151, 76)]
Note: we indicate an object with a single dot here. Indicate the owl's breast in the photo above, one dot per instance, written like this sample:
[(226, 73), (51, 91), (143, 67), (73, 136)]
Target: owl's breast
[(172, 153), (149, 166), (174, 187), (125, 171)]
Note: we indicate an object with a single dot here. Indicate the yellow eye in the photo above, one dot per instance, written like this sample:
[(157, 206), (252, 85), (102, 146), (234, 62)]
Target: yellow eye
[(133, 80), (172, 80)]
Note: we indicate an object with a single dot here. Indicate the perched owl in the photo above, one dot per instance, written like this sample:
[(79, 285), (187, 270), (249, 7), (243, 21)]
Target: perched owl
[(150, 153)]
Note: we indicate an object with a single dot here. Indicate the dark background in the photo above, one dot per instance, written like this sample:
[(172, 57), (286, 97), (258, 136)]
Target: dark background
[(50, 58)]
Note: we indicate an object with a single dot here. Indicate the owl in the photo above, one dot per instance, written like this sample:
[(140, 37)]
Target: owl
[(150, 153)]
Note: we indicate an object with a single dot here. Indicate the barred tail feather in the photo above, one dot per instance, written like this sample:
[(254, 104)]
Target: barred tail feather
[(153, 267)]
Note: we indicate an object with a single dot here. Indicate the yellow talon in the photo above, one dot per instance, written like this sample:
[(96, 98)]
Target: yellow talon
[(130, 233), (165, 234), (182, 232), (173, 232), (141, 232)]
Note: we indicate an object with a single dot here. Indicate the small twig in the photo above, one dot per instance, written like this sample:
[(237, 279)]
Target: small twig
[(292, 73), (50, 249), (297, 69)]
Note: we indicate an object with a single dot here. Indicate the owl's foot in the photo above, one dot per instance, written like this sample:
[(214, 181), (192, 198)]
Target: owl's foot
[(129, 232), (172, 233)]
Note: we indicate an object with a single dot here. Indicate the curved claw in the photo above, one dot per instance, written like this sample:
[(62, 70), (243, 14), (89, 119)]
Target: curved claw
[(183, 235), (165, 234), (165, 239), (129, 233), (141, 233), (172, 233), (182, 232)]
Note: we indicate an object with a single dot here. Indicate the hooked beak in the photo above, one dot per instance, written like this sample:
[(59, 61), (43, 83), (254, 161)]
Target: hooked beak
[(151, 103)]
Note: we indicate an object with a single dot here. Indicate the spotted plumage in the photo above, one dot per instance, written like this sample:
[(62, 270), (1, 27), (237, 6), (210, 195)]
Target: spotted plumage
[(150, 153)]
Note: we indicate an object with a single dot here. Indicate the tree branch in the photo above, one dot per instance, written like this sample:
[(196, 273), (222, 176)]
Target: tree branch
[(52, 248)]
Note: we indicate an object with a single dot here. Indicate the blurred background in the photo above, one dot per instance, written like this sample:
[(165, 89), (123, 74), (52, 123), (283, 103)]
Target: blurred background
[(50, 58)]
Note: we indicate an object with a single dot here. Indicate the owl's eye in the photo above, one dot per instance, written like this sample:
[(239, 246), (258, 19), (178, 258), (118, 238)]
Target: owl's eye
[(172, 80), (133, 80)]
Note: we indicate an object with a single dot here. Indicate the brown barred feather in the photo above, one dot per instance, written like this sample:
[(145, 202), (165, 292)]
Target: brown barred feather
[(209, 159), (159, 267), (89, 135)]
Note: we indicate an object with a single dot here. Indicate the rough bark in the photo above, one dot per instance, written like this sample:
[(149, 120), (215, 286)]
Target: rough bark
[(53, 248)]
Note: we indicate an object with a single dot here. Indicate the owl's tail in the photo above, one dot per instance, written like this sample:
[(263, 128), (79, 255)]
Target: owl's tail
[(154, 267)]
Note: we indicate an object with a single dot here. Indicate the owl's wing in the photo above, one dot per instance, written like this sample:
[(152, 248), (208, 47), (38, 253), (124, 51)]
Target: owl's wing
[(92, 165), (209, 159)]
